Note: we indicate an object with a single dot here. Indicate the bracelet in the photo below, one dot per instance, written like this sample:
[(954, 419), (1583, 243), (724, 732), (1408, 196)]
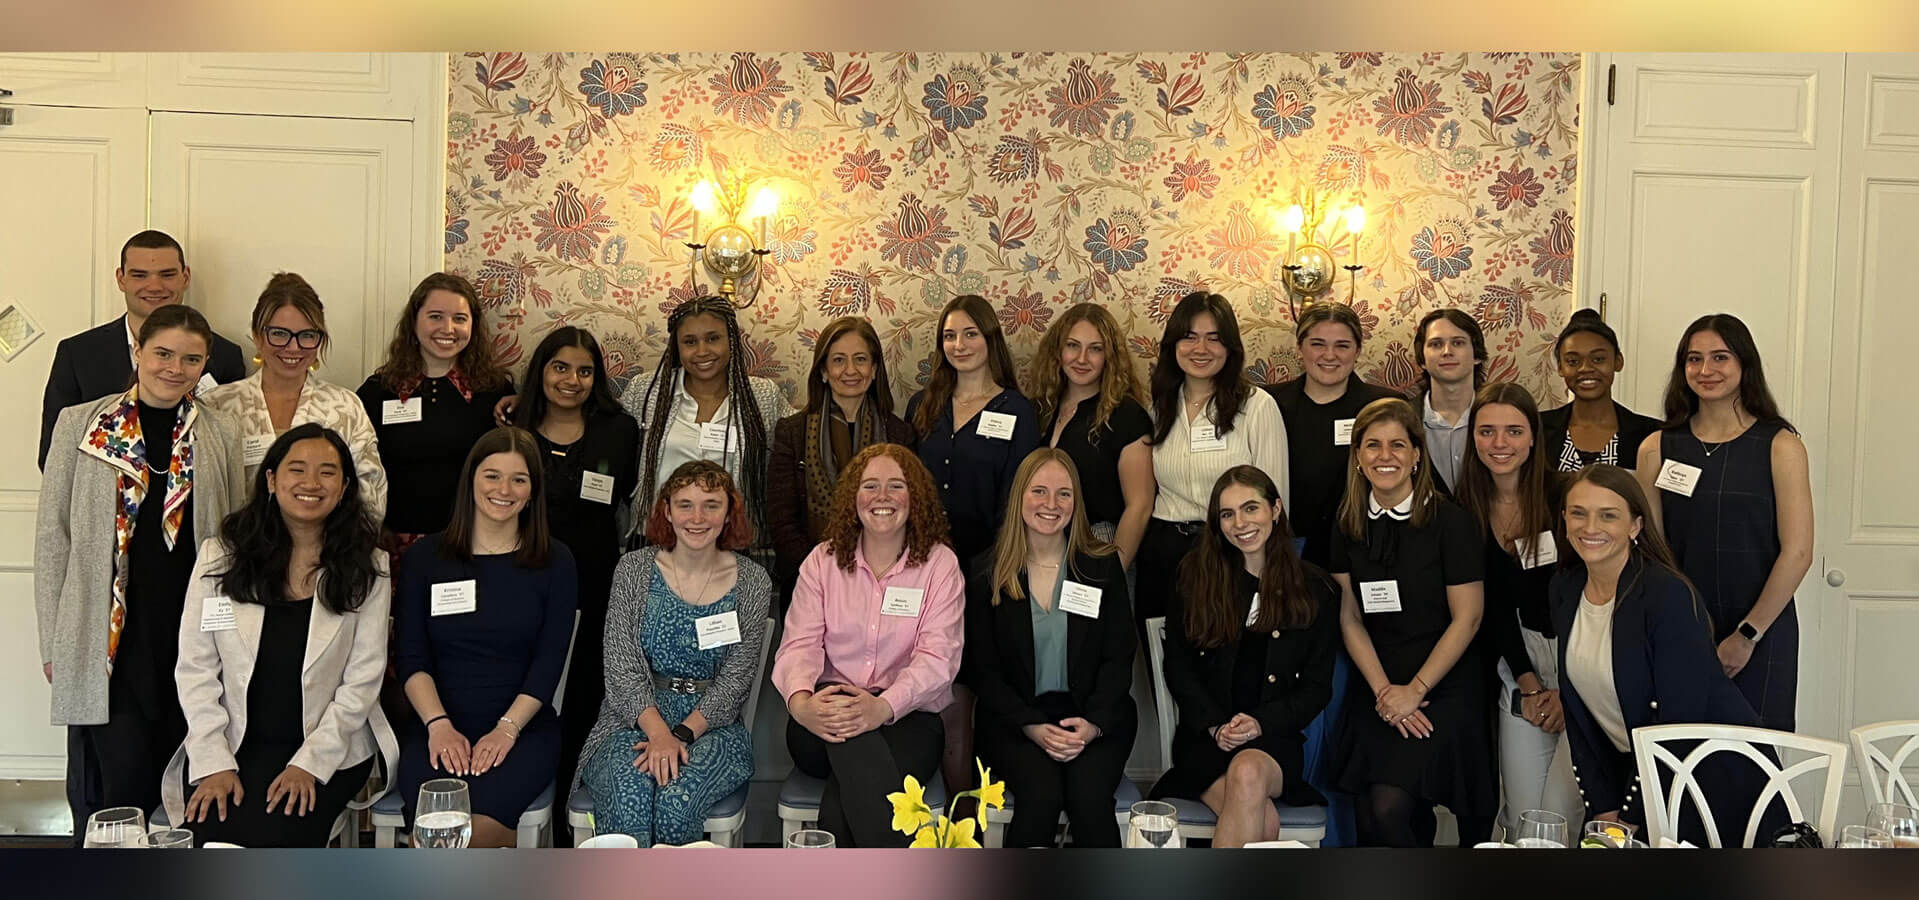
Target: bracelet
[(513, 728), (429, 722), (1424, 688), (1532, 693)]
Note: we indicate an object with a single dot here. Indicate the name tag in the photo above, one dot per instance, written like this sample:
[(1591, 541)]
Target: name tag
[(451, 598), (998, 426), (713, 436), (1079, 599), (1678, 477), (206, 383), (902, 601), (718, 631), (400, 412), (216, 614), (1379, 596), (1205, 438), (253, 448), (596, 487), (1252, 613), (1342, 432), (1541, 551)]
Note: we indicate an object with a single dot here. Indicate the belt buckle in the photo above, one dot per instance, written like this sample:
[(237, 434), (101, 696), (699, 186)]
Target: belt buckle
[(682, 685)]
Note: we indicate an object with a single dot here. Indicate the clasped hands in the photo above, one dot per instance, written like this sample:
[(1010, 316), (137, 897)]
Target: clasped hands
[(1399, 705), (1238, 730), (1065, 741), (838, 712)]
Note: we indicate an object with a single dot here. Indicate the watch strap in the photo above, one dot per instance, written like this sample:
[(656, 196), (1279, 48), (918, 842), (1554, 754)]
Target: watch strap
[(1749, 632), (683, 733)]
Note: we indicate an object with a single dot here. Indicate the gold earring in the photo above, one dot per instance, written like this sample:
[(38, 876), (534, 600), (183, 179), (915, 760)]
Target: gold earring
[(256, 359)]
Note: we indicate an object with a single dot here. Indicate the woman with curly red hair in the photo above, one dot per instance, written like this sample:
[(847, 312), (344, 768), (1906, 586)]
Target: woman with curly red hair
[(872, 645)]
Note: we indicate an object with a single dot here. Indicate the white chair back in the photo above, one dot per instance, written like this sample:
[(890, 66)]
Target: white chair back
[(759, 677), (559, 692), (1665, 806), (1162, 698), (1884, 774)]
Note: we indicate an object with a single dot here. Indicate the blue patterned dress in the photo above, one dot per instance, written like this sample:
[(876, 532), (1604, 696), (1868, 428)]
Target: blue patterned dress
[(625, 799)]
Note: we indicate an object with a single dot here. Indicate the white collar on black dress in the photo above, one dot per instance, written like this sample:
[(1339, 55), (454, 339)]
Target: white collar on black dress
[(1402, 511)]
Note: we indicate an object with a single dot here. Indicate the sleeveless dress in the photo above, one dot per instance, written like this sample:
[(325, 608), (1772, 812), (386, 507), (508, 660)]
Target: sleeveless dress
[(1726, 538)]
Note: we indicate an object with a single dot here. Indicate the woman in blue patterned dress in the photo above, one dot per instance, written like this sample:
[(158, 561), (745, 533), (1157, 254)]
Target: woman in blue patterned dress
[(683, 631)]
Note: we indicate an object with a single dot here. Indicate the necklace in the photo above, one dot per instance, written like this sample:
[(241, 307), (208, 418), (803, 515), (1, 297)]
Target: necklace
[(693, 599), (481, 549), (1739, 423)]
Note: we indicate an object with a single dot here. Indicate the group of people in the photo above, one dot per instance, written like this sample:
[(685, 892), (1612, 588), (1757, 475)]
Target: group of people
[(1516, 590)]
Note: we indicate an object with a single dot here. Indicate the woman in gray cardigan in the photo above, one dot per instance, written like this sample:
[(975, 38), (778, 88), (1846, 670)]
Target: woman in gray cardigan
[(683, 635), (132, 483)]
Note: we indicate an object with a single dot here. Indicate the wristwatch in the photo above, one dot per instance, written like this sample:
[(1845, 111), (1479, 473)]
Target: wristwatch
[(684, 733), (1748, 632)]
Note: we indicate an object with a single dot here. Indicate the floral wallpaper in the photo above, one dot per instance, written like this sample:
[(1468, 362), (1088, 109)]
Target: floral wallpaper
[(1036, 180)]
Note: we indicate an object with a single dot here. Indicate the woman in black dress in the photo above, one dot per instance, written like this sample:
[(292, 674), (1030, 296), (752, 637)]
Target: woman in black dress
[(487, 613), (1729, 481), (1250, 638), (1409, 567), (277, 746), (1092, 405), (1049, 651), (590, 451), (1593, 428)]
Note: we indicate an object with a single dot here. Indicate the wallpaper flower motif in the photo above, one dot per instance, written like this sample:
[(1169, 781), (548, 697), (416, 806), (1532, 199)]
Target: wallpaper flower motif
[(1036, 180)]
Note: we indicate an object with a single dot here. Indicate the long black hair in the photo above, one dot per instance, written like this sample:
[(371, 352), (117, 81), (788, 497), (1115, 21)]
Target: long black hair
[(531, 410), (1231, 387), (1754, 395), (746, 410), (260, 548)]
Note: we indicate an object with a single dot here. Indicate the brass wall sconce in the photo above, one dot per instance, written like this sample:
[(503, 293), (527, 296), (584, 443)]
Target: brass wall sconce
[(730, 252)]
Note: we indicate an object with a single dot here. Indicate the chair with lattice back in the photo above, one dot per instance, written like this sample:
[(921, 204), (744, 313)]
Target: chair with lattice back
[(1666, 800), (1883, 772)]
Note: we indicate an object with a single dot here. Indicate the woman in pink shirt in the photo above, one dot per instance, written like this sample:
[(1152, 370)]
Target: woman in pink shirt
[(872, 644)]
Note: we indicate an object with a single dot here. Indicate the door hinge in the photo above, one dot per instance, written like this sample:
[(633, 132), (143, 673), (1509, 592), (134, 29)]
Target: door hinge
[(1612, 81), (1602, 306)]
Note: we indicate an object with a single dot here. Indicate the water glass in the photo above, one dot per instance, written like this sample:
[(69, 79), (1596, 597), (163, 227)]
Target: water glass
[(810, 839), (1154, 825), (1541, 829), (122, 827), (1600, 833), (170, 839), (1863, 837), (1899, 821), (444, 816)]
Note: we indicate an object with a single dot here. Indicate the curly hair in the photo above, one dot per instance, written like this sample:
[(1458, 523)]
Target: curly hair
[(1118, 380), (925, 517), (707, 475), (405, 360)]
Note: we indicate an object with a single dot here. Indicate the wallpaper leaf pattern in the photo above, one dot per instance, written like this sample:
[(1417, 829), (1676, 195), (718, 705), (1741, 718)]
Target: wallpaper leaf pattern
[(1036, 180)]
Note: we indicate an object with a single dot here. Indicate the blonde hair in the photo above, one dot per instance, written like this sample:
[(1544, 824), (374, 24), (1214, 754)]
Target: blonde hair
[(1009, 554)]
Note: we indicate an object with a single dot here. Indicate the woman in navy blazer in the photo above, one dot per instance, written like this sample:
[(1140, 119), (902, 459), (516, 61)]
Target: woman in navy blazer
[(1624, 606)]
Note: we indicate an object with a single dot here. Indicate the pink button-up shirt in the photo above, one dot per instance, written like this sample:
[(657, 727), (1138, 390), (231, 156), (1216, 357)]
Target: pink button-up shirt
[(836, 632)]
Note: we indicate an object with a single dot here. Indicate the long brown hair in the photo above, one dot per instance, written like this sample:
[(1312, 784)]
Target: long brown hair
[(1209, 575), (938, 398), (405, 361), (1231, 387), (1754, 395), (925, 517), (535, 542), (1009, 555), (879, 393), (1650, 548), (1117, 381), (1476, 487), (1352, 510)]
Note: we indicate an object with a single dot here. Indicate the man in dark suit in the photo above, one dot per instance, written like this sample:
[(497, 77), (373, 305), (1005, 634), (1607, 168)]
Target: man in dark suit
[(99, 361)]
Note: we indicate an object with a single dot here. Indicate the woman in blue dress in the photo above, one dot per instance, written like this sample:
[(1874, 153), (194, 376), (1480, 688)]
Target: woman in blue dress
[(683, 633)]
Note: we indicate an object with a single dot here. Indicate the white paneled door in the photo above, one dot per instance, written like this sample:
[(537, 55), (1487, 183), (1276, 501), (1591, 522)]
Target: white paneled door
[(74, 188), (329, 199)]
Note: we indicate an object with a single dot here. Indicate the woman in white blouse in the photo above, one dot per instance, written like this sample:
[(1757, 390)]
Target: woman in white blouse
[(289, 334), (1207, 418)]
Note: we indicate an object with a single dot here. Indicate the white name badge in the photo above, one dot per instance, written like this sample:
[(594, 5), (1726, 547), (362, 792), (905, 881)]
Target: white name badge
[(1079, 599), (216, 614), (596, 487), (902, 601), (451, 598), (718, 631), (1252, 614), (1541, 551), (1205, 438), (206, 383), (1342, 432), (713, 436), (998, 426), (1678, 477), (1379, 596), (253, 448), (400, 412)]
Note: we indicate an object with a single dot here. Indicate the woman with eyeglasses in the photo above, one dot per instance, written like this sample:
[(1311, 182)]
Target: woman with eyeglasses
[(289, 335)]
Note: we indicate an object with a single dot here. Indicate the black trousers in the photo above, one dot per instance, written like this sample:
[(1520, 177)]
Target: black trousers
[(250, 825), (1082, 788), (859, 773), (121, 762), (1156, 567)]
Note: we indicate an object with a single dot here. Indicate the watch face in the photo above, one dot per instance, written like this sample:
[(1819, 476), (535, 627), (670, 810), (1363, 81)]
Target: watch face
[(1750, 633)]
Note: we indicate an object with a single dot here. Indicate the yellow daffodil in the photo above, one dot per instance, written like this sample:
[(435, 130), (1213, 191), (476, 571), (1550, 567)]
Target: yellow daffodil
[(991, 793), (947, 833), (909, 807)]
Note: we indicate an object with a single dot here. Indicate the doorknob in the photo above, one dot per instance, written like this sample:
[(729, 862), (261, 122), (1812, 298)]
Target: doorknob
[(1835, 577)]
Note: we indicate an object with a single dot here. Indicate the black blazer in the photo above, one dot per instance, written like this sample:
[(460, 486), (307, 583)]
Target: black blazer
[(786, 493), (1633, 429), (1299, 667), (998, 660), (94, 364), (1665, 670)]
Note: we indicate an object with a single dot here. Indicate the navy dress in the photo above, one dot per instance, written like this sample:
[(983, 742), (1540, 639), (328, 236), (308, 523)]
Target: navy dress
[(973, 471), (514, 642), (1726, 538)]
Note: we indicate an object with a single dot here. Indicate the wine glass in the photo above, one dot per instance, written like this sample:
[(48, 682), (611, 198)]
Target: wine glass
[(1154, 825), (170, 839), (810, 839), (444, 816), (1863, 837), (122, 827), (1897, 820), (1541, 829)]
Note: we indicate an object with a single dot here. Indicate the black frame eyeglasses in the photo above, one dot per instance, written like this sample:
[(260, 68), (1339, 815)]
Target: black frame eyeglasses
[(310, 339)]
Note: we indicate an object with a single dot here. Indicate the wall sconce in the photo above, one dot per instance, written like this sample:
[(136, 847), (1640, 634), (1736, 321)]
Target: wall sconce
[(729, 251), (1310, 269)]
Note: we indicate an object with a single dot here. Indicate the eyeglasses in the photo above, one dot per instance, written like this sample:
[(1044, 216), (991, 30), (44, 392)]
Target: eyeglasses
[(309, 339)]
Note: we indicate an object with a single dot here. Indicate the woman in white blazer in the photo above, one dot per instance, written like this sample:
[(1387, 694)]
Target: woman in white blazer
[(282, 649)]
